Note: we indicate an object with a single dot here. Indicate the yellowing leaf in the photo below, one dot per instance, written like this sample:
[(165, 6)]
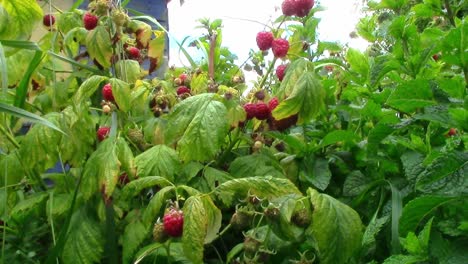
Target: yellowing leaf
[(99, 46)]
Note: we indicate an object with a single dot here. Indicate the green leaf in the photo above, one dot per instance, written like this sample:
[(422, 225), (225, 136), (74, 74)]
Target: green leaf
[(88, 88), (336, 228), (402, 259), (26, 206), (411, 95), (315, 171), (59, 204), (419, 209), (338, 136), (11, 168), (295, 70), (102, 170), (425, 235), (156, 47), (133, 236), (21, 16), (146, 251), (128, 70), (263, 187), (195, 229), (283, 227), (155, 205), (412, 164), (99, 46), (121, 92), (200, 124), (358, 62), (256, 164), (159, 160), (214, 177), (412, 245), (213, 216), (372, 230), (356, 182), (20, 113), (306, 99), (446, 174), (85, 240), (135, 187)]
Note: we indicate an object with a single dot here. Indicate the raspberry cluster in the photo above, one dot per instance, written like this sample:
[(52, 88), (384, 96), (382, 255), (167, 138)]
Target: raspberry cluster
[(265, 41), (299, 8), (259, 110)]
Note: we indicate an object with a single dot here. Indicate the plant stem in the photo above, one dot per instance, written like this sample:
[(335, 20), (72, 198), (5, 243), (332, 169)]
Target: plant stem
[(270, 69), (168, 250), (211, 66), (9, 137), (449, 12)]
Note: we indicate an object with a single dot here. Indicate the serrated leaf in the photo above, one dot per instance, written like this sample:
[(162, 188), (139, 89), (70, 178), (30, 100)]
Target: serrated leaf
[(136, 186), (88, 88), (99, 46), (425, 235), (146, 251), (403, 259), (156, 204), (128, 70), (159, 160), (306, 99), (199, 83), (315, 171), (256, 164), (195, 229), (156, 46), (214, 177), (22, 17), (101, 171), (121, 92), (213, 216), (262, 186), (411, 95), (412, 245), (11, 168), (418, 209), (59, 204), (338, 136), (283, 227), (26, 206), (356, 182), (336, 228), (133, 236), (71, 21), (358, 62), (372, 230), (84, 244), (412, 164), (199, 123), (295, 70)]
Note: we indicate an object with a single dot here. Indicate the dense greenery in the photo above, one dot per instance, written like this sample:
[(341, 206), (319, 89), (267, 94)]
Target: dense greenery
[(363, 160)]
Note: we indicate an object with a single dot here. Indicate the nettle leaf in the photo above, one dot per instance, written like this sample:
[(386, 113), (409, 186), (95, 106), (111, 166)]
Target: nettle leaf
[(412, 163), (418, 209), (85, 240), (256, 164), (261, 186), (128, 70), (306, 99), (411, 95), (22, 16), (159, 160), (121, 91), (195, 229), (445, 175), (356, 182), (88, 88), (315, 171), (133, 236), (155, 205), (102, 170), (454, 45), (213, 216), (199, 123), (336, 228), (99, 46), (134, 187)]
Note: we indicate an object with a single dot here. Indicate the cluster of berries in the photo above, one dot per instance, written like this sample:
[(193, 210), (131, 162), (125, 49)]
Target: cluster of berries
[(262, 111), (266, 40), (182, 82), (299, 8)]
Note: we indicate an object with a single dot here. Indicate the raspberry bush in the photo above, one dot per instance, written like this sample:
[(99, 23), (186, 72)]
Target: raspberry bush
[(332, 155)]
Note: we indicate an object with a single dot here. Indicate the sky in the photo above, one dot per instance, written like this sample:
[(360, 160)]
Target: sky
[(239, 26)]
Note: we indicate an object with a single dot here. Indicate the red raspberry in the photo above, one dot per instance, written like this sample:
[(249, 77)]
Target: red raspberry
[(183, 90), (251, 110), (329, 68), (303, 7), (90, 21), (262, 111), (280, 71), (436, 57), (280, 47), (452, 132), (289, 7), (273, 103), (183, 77), (107, 92), (48, 20), (174, 222), (133, 52), (264, 40), (102, 133)]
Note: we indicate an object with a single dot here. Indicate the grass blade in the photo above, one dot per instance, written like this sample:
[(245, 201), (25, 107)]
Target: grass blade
[(3, 69), (75, 63), (21, 44), (397, 206), (22, 89)]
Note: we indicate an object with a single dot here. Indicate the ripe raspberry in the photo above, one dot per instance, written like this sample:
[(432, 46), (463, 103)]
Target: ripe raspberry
[(452, 132), (436, 57), (289, 7), (280, 71), (183, 77), (273, 103), (107, 92), (303, 7), (183, 90), (133, 52), (174, 222), (90, 21), (262, 111), (102, 133), (48, 20), (251, 110), (280, 47), (264, 40)]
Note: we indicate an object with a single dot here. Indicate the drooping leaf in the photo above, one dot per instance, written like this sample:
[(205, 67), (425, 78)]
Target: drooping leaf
[(88, 88), (26, 206), (199, 123), (336, 229), (121, 92), (146, 251), (156, 47), (99, 46), (338, 136), (316, 171), (195, 229), (155, 205), (263, 187), (256, 164), (101, 171), (213, 216), (134, 234), (411, 95), (136, 186), (11, 168), (84, 244), (21, 16), (125, 156), (418, 209), (128, 70), (159, 160), (372, 230)]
